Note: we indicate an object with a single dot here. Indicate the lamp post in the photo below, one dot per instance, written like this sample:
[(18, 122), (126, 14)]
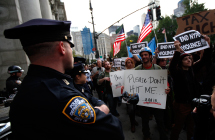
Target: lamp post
[(94, 34)]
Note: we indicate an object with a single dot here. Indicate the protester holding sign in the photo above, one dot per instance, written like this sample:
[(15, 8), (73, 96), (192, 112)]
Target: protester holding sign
[(94, 75), (186, 87), (104, 82), (146, 56), (129, 64)]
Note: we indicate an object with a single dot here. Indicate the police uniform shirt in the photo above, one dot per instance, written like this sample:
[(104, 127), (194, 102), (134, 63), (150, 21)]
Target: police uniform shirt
[(48, 106), (11, 83)]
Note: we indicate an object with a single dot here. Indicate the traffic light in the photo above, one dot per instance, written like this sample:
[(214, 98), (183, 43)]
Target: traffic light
[(158, 13), (150, 11)]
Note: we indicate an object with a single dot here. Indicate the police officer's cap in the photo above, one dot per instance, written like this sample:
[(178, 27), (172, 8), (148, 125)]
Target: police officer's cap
[(79, 59), (37, 31), (78, 69)]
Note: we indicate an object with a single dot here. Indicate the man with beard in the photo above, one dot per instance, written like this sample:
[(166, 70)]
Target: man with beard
[(48, 106), (104, 80), (145, 112), (96, 71)]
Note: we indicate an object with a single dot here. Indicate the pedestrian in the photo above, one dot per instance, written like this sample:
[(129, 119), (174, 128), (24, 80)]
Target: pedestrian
[(186, 87), (13, 82), (97, 70), (104, 82), (146, 56), (89, 80), (48, 106), (129, 65)]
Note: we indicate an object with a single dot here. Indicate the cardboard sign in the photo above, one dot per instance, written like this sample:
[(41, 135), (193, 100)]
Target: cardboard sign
[(117, 62), (166, 49), (149, 84), (204, 22), (117, 80), (191, 41), (123, 63), (136, 47)]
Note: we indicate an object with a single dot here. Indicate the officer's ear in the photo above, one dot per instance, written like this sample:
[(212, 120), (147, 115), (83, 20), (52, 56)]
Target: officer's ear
[(61, 48)]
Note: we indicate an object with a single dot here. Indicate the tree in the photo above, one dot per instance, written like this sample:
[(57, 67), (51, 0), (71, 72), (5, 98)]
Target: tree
[(196, 7)]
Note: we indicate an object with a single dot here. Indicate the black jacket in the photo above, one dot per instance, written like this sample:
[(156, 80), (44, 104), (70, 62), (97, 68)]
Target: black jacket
[(184, 93), (48, 106)]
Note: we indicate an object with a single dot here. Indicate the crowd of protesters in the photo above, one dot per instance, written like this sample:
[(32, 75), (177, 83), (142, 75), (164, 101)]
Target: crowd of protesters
[(189, 76)]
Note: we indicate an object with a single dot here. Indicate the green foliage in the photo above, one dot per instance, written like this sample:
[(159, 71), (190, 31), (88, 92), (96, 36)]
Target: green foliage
[(196, 7)]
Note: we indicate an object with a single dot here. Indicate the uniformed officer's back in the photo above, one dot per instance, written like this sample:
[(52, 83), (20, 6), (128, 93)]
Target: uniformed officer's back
[(48, 106)]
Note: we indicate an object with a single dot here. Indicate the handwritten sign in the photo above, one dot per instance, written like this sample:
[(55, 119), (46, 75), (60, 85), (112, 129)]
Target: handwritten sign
[(149, 84), (117, 80), (204, 22), (123, 63), (136, 47), (191, 41), (166, 49), (117, 62)]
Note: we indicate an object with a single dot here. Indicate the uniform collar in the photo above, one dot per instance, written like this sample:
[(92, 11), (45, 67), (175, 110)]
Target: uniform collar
[(41, 71)]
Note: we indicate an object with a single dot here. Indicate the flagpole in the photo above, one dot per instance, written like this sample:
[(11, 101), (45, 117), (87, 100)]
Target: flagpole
[(166, 37), (156, 36), (125, 42)]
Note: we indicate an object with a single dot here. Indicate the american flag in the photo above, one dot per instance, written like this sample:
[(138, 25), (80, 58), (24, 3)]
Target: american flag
[(119, 39), (146, 29)]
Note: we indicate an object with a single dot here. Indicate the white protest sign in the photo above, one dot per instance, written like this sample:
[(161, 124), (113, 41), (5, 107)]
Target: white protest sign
[(166, 49), (117, 62), (191, 41), (117, 79), (149, 84), (123, 63), (136, 47)]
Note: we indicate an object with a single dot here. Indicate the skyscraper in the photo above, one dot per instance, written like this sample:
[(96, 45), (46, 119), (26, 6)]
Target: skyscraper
[(136, 29), (180, 10)]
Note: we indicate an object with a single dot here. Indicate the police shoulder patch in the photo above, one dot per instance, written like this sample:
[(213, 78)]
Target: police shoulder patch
[(79, 110)]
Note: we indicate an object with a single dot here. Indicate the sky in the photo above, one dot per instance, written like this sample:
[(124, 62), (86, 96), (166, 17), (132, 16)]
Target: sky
[(107, 12)]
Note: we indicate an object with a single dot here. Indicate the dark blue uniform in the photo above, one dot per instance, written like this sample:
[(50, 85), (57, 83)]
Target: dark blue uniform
[(48, 106)]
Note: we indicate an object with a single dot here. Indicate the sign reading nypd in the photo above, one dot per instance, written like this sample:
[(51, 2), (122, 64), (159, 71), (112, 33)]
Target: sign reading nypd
[(166, 49), (191, 41), (79, 110), (136, 47)]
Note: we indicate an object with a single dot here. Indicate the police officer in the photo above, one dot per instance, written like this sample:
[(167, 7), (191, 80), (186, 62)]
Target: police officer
[(48, 106), (13, 82)]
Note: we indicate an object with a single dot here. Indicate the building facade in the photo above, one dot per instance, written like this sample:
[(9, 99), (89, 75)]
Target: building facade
[(178, 12), (104, 44), (77, 40), (136, 30), (112, 29), (13, 13)]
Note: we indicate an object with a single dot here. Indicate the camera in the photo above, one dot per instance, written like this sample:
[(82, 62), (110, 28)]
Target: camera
[(203, 103)]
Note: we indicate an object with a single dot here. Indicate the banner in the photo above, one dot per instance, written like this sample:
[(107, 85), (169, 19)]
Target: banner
[(204, 22), (149, 84), (117, 62), (166, 49), (136, 47), (117, 80), (191, 41), (123, 63)]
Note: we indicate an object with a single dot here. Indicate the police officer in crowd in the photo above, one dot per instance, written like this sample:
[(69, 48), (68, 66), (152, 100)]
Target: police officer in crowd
[(48, 106), (13, 82)]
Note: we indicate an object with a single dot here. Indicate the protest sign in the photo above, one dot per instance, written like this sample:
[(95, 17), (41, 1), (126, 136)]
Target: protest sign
[(204, 22), (191, 41), (117, 62), (136, 47), (123, 63), (166, 49), (149, 84), (117, 79)]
